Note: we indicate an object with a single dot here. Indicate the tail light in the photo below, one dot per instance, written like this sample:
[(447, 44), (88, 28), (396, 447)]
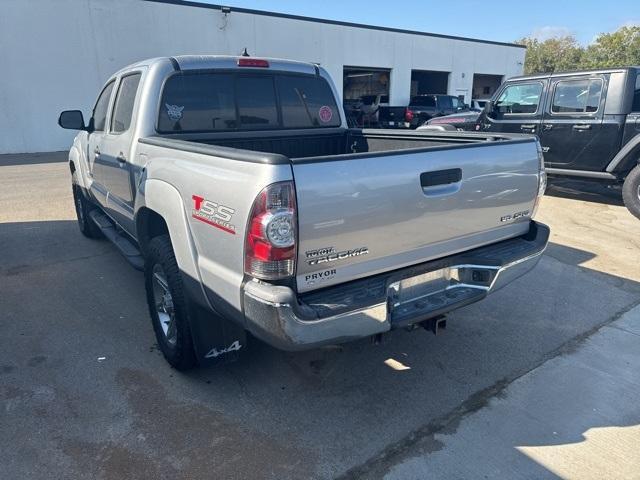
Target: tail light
[(252, 62), (270, 244), (542, 180), (408, 115)]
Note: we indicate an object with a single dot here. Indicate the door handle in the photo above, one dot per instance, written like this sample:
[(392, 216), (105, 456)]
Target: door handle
[(440, 177), (531, 127), (546, 127), (96, 152), (121, 159), (582, 127)]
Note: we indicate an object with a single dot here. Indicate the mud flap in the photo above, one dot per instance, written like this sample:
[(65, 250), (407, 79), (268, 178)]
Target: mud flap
[(216, 340)]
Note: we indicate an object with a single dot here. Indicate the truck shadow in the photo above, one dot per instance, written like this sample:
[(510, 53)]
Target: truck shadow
[(585, 191), (15, 159), (341, 406)]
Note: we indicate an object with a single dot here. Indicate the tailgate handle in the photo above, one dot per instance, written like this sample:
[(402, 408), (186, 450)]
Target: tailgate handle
[(440, 177)]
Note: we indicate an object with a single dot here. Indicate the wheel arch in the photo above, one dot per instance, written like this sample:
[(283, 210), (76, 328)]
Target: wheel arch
[(160, 210), (627, 158)]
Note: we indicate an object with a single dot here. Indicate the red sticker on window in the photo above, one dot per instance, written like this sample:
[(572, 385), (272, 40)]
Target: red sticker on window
[(325, 114)]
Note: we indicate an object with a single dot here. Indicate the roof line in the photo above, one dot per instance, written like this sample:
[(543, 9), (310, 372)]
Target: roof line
[(189, 3)]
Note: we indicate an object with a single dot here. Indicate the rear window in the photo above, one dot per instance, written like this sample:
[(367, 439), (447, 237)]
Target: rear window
[(257, 106), (307, 102), (212, 102), (423, 101)]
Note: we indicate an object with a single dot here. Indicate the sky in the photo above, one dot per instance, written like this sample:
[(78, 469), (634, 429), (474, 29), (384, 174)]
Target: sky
[(499, 20)]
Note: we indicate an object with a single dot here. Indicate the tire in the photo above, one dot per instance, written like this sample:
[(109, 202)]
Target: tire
[(631, 192), (83, 206), (168, 305)]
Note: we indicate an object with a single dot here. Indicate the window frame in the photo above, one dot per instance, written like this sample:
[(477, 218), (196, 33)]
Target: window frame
[(235, 73), (513, 84), (636, 92), (107, 112), (582, 114), (115, 102)]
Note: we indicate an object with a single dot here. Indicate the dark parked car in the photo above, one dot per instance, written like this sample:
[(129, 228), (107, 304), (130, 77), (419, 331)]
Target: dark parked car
[(421, 108), (465, 121), (588, 123)]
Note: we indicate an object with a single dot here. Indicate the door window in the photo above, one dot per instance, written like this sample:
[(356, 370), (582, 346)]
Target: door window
[(636, 96), (123, 108), (520, 98), (99, 116), (577, 96)]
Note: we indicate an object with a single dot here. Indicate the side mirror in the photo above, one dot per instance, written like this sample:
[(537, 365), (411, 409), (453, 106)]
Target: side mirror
[(72, 120), (489, 108)]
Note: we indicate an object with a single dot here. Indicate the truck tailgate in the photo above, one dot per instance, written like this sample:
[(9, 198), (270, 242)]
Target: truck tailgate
[(364, 214)]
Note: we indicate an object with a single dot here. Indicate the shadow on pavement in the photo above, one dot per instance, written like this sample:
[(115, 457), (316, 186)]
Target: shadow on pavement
[(596, 192), (14, 159), (321, 412)]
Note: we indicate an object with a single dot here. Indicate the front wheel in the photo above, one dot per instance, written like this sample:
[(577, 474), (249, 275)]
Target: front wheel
[(631, 192), (83, 207), (168, 304)]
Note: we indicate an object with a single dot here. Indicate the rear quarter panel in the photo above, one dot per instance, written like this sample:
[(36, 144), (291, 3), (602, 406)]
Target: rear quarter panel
[(218, 253)]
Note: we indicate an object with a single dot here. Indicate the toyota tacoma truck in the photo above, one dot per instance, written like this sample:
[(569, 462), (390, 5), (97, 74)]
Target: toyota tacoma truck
[(236, 186)]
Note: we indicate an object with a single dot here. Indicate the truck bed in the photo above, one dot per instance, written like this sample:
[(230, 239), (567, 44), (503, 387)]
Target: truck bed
[(374, 200), (297, 145)]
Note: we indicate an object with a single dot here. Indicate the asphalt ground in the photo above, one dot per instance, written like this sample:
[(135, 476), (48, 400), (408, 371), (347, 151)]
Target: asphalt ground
[(85, 393)]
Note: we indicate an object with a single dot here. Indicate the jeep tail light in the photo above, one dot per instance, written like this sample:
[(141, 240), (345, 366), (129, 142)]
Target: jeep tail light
[(542, 180), (408, 115), (270, 245)]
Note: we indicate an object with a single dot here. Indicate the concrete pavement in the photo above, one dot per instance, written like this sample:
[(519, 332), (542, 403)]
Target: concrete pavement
[(84, 393), (576, 416)]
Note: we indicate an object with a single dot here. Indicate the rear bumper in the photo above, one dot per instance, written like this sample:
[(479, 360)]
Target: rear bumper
[(376, 304)]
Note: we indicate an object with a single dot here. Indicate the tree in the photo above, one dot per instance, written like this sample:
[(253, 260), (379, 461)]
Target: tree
[(552, 55), (617, 49)]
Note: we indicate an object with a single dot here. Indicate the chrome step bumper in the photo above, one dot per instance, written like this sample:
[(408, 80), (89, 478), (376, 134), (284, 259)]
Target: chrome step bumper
[(391, 300)]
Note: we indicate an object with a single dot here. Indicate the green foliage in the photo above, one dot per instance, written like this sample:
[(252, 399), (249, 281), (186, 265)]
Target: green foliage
[(616, 49), (621, 48)]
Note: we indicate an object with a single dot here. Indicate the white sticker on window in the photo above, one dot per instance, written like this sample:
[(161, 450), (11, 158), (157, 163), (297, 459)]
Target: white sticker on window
[(174, 111)]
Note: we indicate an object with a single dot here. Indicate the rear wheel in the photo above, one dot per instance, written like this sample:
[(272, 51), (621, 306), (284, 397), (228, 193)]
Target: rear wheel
[(631, 192), (83, 207), (168, 304)]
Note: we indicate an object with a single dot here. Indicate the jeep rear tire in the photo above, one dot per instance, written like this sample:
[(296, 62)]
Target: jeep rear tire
[(168, 305), (631, 192)]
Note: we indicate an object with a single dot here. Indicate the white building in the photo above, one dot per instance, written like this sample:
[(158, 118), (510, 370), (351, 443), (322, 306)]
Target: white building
[(56, 54)]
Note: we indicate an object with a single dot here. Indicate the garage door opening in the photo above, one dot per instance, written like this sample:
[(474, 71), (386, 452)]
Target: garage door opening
[(425, 82), (364, 91), (484, 86)]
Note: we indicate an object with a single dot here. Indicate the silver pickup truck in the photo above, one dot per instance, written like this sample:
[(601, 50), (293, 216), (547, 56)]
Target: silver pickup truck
[(235, 184)]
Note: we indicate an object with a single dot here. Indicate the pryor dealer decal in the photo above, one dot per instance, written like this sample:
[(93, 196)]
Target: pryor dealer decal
[(213, 214)]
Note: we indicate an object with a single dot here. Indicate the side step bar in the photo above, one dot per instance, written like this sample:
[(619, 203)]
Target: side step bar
[(120, 240)]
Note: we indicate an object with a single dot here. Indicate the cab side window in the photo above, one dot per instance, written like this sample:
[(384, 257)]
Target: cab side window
[(520, 98), (577, 96), (99, 117), (123, 108), (636, 96)]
